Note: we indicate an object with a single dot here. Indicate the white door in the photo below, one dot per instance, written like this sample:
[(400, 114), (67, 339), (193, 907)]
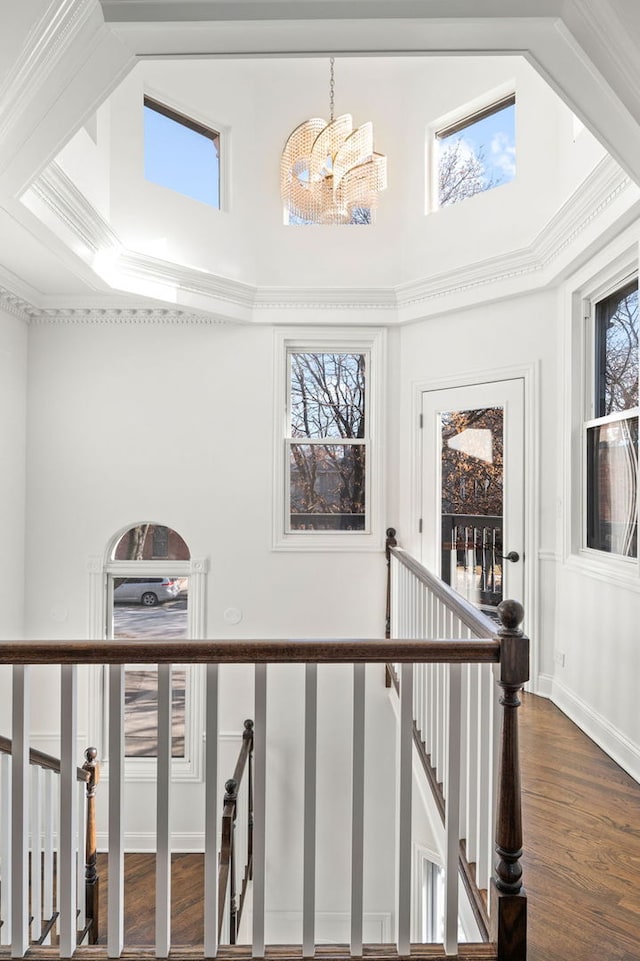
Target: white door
[(473, 489)]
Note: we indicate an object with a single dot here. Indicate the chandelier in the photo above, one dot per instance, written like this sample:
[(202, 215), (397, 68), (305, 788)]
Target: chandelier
[(329, 172)]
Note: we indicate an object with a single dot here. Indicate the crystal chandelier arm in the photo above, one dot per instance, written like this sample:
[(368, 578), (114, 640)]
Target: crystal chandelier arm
[(360, 185), (327, 144), (356, 149)]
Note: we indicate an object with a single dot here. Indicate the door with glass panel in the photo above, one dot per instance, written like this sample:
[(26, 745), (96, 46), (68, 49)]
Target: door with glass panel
[(473, 489)]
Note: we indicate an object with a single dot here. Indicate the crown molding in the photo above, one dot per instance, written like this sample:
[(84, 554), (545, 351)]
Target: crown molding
[(604, 185), (45, 46), (594, 196), (321, 298), (597, 23), (190, 279), (542, 262), (11, 303), (68, 204), (121, 317)]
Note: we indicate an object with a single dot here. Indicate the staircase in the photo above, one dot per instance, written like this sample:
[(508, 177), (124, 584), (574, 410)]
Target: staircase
[(443, 654)]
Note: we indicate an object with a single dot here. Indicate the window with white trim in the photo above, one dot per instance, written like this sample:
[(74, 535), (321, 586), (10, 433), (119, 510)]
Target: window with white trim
[(475, 152), (130, 555), (610, 441), (327, 441), (329, 479), (181, 153)]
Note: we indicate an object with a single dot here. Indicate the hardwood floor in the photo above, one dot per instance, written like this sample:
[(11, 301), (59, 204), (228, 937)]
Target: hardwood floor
[(581, 815), (581, 863), (187, 884)]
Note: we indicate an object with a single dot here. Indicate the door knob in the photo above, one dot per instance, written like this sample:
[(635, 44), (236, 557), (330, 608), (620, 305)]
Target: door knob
[(512, 556)]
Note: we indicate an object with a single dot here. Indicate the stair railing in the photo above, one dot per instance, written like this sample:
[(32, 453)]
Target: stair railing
[(234, 906), (43, 854), (508, 651), (480, 813)]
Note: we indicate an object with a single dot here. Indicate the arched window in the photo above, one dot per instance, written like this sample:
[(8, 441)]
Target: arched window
[(153, 588)]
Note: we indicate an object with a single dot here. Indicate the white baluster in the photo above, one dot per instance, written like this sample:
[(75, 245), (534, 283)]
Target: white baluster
[(68, 809), (485, 760), (50, 779), (357, 815), (452, 826), (473, 769), (80, 849), (5, 847), (259, 820), (395, 587), (20, 812), (211, 816), (163, 817), (309, 842), (464, 748), (36, 852), (115, 925), (404, 809)]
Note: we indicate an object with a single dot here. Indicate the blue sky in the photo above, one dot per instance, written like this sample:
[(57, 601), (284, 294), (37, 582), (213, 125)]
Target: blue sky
[(180, 159), (495, 136)]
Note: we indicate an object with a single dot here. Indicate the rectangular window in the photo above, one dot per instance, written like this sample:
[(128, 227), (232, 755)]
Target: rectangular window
[(181, 154), (476, 153), (611, 437), (327, 441)]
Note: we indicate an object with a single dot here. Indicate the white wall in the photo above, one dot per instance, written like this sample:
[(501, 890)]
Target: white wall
[(597, 656), (173, 423), (586, 616), (13, 404), (257, 103), (485, 343)]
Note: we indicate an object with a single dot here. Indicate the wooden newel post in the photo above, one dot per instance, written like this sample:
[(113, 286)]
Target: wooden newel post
[(508, 897), (231, 798), (91, 879), (390, 542), (247, 735)]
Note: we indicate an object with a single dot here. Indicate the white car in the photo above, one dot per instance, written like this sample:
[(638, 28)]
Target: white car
[(146, 590)]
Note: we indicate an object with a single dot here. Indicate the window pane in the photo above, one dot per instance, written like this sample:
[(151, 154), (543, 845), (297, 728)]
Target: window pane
[(617, 351), (327, 395), (612, 471), (151, 607), (472, 447), (180, 157), (327, 487), (146, 541), (478, 155)]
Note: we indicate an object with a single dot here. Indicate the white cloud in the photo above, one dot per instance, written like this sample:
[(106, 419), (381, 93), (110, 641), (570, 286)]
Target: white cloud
[(503, 155)]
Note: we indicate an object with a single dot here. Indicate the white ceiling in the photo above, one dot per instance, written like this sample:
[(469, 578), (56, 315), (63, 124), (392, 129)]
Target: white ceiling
[(60, 61)]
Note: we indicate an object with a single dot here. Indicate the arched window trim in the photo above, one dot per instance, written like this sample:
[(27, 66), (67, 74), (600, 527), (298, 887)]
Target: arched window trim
[(189, 768)]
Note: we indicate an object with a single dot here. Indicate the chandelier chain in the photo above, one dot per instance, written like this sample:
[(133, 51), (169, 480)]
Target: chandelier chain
[(332, 84)]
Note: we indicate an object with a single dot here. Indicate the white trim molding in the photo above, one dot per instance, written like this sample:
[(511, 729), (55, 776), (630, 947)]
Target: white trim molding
[(190, 767), (371, 341), (614, 742), (605, 197)]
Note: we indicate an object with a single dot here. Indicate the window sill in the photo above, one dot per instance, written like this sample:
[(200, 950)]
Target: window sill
[(337, 543), (618, 571)]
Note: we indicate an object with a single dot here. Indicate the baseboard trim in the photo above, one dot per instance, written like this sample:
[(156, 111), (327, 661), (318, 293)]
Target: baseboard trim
[(616, 744), (181, 842)]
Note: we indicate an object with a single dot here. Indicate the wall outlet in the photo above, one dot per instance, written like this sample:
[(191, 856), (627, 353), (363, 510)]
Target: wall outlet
[(559, 658)]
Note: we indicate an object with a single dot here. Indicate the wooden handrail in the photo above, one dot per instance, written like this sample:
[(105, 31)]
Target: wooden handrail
[(226, 870), (304, 651), (40, 759), (471, 617)]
